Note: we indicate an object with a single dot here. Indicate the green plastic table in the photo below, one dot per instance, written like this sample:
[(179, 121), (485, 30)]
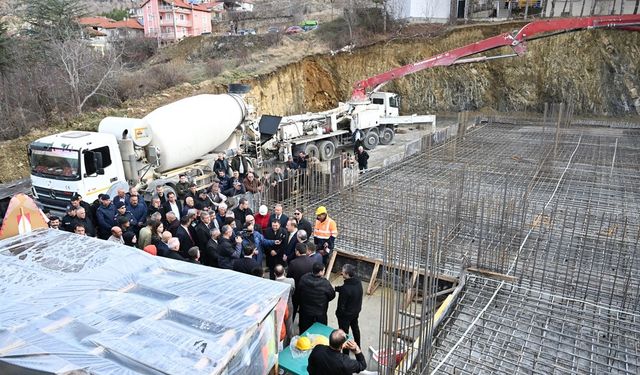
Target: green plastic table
[(298, 366)]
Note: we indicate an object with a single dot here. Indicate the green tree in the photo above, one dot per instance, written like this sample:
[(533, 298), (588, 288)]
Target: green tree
[(5, 52), (117, 14), (53, 19)]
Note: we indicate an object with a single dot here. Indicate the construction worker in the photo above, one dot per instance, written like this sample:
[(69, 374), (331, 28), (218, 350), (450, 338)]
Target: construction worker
[(325, 232)]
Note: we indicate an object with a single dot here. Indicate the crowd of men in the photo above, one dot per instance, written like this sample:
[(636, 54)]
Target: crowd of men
[(199, 226)]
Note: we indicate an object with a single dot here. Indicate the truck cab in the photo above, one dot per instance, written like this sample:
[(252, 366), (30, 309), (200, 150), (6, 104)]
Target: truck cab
[(380, 105), (74, 162), (388, 103)]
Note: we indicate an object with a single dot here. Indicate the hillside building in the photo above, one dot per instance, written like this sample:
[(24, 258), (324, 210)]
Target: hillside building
[(175, 19)]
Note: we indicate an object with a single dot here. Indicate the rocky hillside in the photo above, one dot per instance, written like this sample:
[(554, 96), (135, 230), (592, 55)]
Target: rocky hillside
[(598, 71)]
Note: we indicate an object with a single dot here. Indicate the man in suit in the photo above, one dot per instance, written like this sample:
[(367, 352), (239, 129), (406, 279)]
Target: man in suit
[(210, 253), (292, 241), (172, 204), (279, 216), (301, 265), (246, 264), (274, 254), (184, 235), (203, 231)]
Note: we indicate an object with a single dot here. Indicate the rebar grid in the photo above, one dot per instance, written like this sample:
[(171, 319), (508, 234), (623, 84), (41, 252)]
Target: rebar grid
[(535, 332), (552, 209)]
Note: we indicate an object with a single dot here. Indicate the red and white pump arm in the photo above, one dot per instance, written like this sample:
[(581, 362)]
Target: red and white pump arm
[(517, 41)]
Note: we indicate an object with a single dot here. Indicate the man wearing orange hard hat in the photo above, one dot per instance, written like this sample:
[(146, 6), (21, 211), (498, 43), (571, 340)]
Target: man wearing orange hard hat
[(325, 232)]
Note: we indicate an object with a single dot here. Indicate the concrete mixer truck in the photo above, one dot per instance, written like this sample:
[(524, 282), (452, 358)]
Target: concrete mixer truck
[(179, 137)]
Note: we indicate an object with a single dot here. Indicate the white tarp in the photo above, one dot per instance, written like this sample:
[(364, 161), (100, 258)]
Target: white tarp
[(82, 305)]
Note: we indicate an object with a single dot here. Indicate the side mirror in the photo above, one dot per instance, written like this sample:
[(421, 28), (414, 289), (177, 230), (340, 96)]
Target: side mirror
[(97, 157), (90, 163)]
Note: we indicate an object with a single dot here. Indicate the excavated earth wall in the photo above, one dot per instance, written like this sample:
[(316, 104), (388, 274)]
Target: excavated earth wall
[(598, 71)]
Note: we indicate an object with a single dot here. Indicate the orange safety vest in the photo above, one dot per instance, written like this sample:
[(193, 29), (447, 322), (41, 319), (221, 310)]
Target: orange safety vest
[(325, 229)]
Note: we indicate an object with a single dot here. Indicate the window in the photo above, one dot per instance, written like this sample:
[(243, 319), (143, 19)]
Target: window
[(182, 17), (378, 101), (394, 101), (56, 163)]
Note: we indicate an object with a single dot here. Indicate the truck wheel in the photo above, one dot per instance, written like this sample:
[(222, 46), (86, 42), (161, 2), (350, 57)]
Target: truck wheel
[(327, 150), (387, 136), (312, 150), (370, 140)]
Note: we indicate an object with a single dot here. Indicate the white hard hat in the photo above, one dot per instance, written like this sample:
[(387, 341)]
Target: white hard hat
[(263, 210)]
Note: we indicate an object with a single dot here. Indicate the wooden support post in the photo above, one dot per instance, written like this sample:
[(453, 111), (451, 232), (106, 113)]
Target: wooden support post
[(332, 259), (373, 281)]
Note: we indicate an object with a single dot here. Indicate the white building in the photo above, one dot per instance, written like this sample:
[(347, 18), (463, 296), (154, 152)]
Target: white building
[(422, 10)]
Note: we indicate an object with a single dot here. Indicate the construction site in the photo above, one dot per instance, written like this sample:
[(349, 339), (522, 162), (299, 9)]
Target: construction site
[(506, 246), (489, 243)]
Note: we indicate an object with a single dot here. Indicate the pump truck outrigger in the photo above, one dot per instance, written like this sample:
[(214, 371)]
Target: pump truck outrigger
[(180, 137)]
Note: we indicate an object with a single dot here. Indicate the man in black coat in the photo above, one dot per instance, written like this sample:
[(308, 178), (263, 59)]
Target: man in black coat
[(303, 224), (228, 248), (203, 231), (301, 265), (363, 158), (242, 211), (274, 254), (210, 253), (184, 235), (328, 359), (82, 218), (246, 264), (349, 302), (68, 222), (314, 294), (221, 164)]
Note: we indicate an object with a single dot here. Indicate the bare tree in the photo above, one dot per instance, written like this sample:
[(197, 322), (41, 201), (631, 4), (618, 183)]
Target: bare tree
[(85, 70)]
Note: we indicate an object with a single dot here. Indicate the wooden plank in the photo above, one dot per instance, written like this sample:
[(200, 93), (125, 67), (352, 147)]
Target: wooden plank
[(421, 271), (410, 289), (332, 260), (373, 281), (492, 274)]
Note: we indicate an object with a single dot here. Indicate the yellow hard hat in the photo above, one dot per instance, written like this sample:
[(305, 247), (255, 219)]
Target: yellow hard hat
[(321, 210), (303, 343), (320, 340)]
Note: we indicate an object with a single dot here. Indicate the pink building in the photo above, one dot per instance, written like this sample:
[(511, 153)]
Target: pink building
[(174, 19)]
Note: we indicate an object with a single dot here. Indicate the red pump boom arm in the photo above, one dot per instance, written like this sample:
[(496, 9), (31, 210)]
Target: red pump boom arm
[(517, 41)]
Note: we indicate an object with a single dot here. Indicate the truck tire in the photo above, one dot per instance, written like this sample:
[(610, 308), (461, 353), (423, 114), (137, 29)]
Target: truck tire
[(327, 150), (312, 150), (386, 136), (370, 140)]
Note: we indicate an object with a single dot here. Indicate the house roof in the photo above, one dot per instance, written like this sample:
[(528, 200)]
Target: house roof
[(182, 4), (95, 21), (128, 24), (108, 23)]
